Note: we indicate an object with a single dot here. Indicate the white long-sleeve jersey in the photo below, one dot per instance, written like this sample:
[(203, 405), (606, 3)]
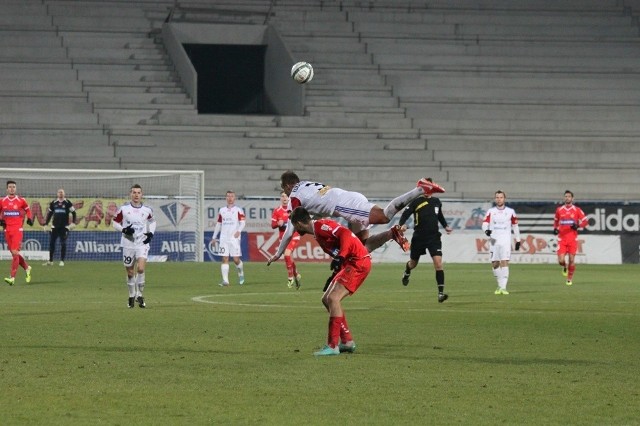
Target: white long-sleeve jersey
[(141, 217), (501, 221)]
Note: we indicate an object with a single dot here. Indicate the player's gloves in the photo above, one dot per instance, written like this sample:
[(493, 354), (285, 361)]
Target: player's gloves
[(29, 222), (71, 226), (2, 223), (128, 232), (149, 237), (488, 232), (336, 263), (555, 231), (574, 226), (46, 228), (517, 245)]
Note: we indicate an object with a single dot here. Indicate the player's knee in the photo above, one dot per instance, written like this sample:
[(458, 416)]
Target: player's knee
[(377, 216)]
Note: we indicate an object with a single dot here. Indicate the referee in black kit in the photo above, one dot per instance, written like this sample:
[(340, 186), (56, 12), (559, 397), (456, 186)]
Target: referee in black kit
[(427, 213), (59, 209)]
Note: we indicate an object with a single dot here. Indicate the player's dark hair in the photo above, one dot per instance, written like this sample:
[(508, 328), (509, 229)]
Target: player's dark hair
[(11, 182), (289, 178), (300, 215), (500, 191), (568, 192), (231, 192), (136, 186)]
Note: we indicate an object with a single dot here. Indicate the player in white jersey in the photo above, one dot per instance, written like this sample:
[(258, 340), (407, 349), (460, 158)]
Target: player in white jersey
[(322, 200), (137, 224), (227, 233), (497, 225)]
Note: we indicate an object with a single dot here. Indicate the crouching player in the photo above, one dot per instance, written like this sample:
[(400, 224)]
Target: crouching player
[(352, 262)]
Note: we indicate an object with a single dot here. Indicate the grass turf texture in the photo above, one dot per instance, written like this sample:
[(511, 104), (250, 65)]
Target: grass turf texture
[(72, 353)]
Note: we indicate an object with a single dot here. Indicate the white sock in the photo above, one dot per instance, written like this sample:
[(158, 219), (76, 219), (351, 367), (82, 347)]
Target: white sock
[(224, 269), (240, 268), (496, 275), (401, 202), (505, 277), (131, 283), (140, 283)]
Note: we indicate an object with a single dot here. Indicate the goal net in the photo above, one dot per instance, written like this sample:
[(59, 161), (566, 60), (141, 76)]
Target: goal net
[(176, 196)]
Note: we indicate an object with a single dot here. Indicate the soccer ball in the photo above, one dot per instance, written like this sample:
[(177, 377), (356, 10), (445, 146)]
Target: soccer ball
[(302, 72)]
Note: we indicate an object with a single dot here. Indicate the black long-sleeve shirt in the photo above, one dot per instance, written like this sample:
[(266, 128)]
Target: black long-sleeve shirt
[(427, 213), (60, 211)]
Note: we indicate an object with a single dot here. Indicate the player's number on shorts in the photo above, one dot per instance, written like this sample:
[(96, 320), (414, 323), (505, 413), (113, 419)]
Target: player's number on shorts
[(127, 259)]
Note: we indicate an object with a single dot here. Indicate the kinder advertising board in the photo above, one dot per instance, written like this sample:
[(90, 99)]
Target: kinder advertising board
[(467, 242)]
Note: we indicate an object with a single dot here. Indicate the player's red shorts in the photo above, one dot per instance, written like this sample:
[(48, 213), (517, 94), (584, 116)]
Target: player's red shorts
[(567, 245), (294, 243), (354, 273), (13, 239)]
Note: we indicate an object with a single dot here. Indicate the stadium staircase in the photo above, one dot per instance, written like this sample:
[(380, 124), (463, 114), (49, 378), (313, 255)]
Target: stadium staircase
[(478, 94)]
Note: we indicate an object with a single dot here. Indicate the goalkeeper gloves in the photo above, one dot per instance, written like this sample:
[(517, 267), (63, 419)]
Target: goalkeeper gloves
[(29, 221), (149, 237), (488, 232), (517, 245), (46, 228), (336, 263), (574, 226), (555, 231)]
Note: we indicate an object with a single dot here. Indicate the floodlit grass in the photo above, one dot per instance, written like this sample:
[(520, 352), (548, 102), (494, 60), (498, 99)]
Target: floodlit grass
[(73, 354)]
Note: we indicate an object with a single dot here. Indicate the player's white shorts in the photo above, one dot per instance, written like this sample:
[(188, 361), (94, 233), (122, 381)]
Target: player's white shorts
[(355, 208), (229, 247), (129, 255), (500, 251)]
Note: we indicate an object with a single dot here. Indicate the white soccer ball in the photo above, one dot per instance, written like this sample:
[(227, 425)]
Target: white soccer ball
[(302, 72)]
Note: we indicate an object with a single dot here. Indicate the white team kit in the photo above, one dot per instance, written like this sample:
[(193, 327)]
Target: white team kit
[(142, 220), (500, 221), (230, 220), (322, 200)]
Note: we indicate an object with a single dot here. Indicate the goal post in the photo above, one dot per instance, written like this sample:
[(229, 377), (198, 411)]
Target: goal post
[(176, 197)]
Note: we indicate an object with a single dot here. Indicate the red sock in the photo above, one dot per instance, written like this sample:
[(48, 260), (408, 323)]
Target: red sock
[(334, 331), (290, 266), (571, 269), (345, 333), (15, 261), (23, 262)]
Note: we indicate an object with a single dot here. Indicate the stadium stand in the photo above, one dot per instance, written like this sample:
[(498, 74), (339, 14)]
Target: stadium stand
[(531, 97)]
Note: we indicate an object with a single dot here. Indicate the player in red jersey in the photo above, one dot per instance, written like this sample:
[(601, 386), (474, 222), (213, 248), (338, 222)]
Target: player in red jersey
[(279, 219), (13, 209), (568, 219), (351, 260)]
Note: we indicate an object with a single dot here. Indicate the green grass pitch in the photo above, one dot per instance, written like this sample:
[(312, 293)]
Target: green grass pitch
[(73, 354)]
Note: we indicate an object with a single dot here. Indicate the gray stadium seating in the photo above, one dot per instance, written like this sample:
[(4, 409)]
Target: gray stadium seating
[(478, 94)]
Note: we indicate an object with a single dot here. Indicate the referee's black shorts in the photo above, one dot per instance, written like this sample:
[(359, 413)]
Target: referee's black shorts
[(420, 246)]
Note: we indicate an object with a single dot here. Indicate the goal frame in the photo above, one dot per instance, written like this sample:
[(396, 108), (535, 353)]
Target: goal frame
[(198, 197)]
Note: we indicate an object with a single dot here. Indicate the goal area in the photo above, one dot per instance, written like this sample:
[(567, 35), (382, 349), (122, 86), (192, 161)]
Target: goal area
[(176, 197)]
